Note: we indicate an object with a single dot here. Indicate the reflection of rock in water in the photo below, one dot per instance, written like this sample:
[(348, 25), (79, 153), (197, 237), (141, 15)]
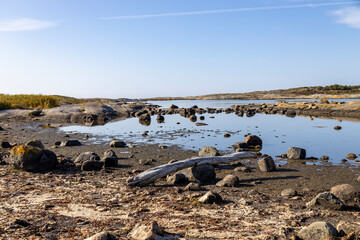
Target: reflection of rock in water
[(160, 119), (193, 118), (257, 148), (88, 119), (250, 113), (145, 122)]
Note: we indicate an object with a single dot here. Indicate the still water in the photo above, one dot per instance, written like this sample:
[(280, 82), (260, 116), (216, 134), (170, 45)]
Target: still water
[(278, 133)]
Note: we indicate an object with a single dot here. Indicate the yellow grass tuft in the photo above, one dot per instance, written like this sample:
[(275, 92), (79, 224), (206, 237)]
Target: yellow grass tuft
[(24, 101)]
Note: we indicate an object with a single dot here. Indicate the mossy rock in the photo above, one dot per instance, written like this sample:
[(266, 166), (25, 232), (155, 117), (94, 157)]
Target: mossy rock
[(30, 158)]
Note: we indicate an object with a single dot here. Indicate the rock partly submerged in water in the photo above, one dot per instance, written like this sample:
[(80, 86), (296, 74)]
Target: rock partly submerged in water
[(117, 144), (253, 140), (351, 156), (296, 153), (70, 143), (241, 145)]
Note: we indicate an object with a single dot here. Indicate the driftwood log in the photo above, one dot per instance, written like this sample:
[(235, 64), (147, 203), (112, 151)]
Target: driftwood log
[(152, 174)]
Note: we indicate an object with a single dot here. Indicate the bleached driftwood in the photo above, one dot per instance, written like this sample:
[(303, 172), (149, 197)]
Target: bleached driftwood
[(152, 174)]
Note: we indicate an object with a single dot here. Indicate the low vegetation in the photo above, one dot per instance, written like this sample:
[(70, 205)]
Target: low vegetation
[(24, 101), (335, 90)]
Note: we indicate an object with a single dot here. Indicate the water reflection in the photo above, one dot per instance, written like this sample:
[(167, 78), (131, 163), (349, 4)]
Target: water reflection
[(145, 122), (278, 133)]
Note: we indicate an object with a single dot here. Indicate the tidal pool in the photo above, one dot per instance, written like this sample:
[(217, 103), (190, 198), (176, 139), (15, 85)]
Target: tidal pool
[(278, 133)]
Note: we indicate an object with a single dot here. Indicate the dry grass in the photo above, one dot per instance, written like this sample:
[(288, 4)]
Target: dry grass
[(24, 101)]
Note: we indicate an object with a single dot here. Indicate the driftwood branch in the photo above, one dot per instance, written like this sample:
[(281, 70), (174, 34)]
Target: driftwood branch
[(152, 174)]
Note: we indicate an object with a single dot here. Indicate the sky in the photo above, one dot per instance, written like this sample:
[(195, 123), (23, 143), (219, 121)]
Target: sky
[(154, 48)]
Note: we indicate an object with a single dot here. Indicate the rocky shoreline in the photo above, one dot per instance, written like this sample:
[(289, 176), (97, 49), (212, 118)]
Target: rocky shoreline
[(70, 202)]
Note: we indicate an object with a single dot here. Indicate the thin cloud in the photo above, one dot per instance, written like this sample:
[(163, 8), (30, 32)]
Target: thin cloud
[(190, 13), (25, 24), (349, 16)]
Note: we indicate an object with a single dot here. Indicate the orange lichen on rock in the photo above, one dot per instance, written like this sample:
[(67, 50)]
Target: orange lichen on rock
[(18, 150)]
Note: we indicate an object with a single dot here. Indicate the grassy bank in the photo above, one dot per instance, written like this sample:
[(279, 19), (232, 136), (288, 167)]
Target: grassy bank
[(24, 101)]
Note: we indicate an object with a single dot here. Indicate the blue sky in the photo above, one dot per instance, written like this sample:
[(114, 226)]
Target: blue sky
[(148, 48)]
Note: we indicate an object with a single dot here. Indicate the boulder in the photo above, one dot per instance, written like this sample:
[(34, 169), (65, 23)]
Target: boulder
[(110, 154), (193, 187), (318, 230), (35, 143), (70, 143), (351, 156), (326, 200), (337, 127), (145, 117), (229, 181), (288, 193), (193, 118), (290, 113), (35, 113), (346, 228), (208, 152), (160, 118), (210, 198), (31, 158), (110, 161), (240, 145), (253, 140), (86, 156), (147, 231), (204, 173), (172, 106), (345, 192), (267, 164), (117, 144), (102, 236), (92, 165), (177, 179), (296, 153)]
